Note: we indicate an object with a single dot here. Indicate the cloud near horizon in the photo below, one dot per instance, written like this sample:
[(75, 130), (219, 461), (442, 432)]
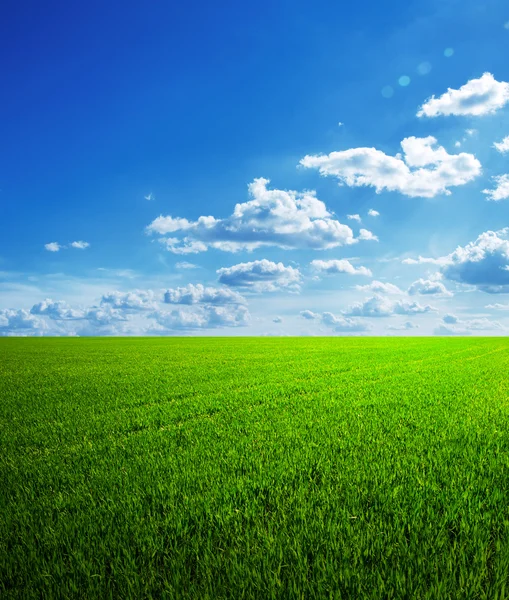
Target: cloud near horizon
[(483, 263), (380, 306), (339, 324)]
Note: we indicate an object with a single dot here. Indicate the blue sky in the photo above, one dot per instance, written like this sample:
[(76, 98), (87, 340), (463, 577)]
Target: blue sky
[(193, 169)]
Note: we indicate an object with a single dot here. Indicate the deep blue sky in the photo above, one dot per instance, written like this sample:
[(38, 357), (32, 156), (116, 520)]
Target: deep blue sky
[(105, 103)]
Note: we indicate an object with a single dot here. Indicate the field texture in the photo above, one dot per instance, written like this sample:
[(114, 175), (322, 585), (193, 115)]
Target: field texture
[(254, 468)]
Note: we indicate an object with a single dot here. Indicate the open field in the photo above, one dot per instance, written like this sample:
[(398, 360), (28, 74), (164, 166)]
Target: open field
[(254, 468)]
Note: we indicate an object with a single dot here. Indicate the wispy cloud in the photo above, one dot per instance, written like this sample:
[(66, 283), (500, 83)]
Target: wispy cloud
[(501, 190)]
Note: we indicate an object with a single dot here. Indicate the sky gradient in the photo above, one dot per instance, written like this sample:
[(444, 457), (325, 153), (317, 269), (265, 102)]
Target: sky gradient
[(274, 168)]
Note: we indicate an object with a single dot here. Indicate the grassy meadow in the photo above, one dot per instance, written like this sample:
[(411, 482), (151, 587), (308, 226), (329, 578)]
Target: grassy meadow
[(239, 468)]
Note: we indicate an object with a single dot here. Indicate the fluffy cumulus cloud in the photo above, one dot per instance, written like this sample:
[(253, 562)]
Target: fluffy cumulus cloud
[(452, 325), (282, 218), (378, 287), (131, 301), (201, 317), (199, 294), (477, 97), (502, 146), (80, 245), (53, 246), (105, 319), (501, 189), (57, 310), (483, 263), (427, 287), (425, 170), (260, 276), (136, 312), (373, 213), (366, 235), (340, 324), (338, 266), (379, 306), (20, 322)]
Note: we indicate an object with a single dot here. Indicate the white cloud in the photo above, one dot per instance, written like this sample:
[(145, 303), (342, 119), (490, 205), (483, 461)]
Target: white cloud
[(339, 266), (55, 246), (373, 213), (428, 287), (131, 301), (452, 325), (421, 260), (201, 317), (186, 265), (502, 146), (282, 218), (378, 306), (457, 144), (366, 235), (424, 171), (309, 315), (483, 263), (470, 132), (165, 225), (188, 246), (104, 315), (80, 245), (149, 197), (199, 294), (477, 97), (57, 311), (277, 320), (344, 324), (501, 192), (20, 321), (354, 218), (126, 313), (260, 276), (379, 286)]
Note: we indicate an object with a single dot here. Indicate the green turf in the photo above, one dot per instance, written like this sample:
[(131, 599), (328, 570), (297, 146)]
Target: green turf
[(254, 468)]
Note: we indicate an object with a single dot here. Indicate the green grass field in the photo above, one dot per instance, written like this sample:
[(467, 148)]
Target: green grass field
[(210, 468)]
